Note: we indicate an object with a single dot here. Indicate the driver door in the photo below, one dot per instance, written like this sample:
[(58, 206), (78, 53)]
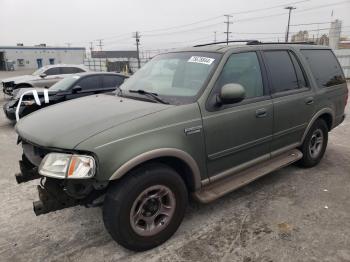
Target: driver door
[(239, 134)]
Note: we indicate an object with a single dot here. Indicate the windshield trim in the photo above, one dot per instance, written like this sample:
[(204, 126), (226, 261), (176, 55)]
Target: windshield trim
[(191, 99)]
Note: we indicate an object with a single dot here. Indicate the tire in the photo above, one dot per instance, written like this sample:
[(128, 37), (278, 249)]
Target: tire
[(318, 132), (133, 193)]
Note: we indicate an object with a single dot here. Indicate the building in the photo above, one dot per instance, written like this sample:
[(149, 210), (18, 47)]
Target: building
[(301, 36), (33, 57), (334, 34), (116, 61)]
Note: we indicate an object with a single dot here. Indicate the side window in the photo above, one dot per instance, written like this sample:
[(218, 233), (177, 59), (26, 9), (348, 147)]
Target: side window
[(243, 69), (89, 82), (282, 72), (111, 81), (77, 70), (299, 71), (53, 71), (324, 67), (68, 70)]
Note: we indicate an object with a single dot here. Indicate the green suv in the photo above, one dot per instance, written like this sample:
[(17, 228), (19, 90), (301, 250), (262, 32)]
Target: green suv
[(202, 121)]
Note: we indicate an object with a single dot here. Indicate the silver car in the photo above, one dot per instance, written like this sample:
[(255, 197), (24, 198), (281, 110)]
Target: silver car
[(43, 77)]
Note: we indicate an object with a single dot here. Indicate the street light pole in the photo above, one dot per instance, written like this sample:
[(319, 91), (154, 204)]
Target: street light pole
[(290, 8)]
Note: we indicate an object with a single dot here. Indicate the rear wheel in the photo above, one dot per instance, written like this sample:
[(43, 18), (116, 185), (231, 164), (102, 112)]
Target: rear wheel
[(145, 208), (315, 144)]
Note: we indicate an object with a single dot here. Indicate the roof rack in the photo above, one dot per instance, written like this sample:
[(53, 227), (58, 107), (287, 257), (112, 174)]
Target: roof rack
[(231, 41), (257, 42), (282, 43)]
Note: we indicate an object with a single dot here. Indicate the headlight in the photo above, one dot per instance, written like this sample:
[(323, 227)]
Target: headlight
[(69, 166)]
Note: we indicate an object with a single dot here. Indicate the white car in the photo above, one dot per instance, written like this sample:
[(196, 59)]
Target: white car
[(43, 77)]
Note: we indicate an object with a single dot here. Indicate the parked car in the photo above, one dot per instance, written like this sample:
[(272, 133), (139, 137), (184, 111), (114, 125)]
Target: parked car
[(71, 87), (202, 121), (43, 77)]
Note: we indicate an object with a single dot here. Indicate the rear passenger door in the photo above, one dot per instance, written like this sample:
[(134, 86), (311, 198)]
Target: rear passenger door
[(292, 98)]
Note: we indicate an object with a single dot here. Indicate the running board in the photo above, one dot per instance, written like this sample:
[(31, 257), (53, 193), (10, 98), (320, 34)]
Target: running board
[(226, 185)]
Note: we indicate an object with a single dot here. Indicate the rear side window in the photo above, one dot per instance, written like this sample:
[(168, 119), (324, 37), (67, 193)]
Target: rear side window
[(71, 70), (53, 71), (89, 82), (324, 67), (111, 81), (282, 71)]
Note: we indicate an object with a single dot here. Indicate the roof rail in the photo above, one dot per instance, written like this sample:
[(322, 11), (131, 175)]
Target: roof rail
[(231, 41), (282, 43), (257, 42)]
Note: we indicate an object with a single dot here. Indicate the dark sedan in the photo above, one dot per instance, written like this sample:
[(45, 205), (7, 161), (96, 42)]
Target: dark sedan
[(72, 87)]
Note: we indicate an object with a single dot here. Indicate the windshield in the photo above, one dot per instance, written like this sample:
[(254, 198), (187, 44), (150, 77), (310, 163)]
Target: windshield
[(64, 84), (39, 71), (176, 77)]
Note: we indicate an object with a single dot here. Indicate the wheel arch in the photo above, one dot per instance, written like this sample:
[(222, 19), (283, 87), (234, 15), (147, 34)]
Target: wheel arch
[(327, 114), (179, 160)]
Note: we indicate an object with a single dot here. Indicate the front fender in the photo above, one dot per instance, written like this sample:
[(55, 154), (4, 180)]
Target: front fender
[(176, 132)]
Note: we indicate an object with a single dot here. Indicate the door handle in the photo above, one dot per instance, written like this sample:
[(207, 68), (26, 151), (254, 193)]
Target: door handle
[(309, 100), (261, 113)]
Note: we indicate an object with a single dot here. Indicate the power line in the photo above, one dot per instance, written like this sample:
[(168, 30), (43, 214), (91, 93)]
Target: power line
[(216, 17)]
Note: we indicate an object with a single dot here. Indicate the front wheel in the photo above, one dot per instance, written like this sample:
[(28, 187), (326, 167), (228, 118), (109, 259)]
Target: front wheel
[(145, 208), (315, 144)]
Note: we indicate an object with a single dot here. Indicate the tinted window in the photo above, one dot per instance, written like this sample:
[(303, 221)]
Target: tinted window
[(77, 70), (281, 70), (53, 71), (244, 69), (68, 70), (89, 82), (298, 69), (112, 81), (324, 67)]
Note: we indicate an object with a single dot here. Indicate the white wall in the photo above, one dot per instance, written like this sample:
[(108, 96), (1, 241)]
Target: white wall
[(30, 56)]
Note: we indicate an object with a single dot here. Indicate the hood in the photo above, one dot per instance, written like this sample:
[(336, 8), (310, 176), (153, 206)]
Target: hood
[(67, 124), (20, 79), (18, 92)]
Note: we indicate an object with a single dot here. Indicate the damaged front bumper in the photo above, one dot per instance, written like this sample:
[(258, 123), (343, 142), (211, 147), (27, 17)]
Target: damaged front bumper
[(56, 194)]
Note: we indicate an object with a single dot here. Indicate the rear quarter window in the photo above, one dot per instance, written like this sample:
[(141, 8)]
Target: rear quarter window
[(324, 66)]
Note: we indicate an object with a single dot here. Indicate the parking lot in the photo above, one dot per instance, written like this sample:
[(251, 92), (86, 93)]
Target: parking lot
[(293, 214)]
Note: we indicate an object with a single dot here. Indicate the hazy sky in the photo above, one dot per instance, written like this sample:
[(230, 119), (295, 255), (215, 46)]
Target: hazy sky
[(56, 22)]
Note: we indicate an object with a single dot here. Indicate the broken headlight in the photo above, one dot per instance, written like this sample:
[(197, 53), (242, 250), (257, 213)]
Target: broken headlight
[(69, 166)]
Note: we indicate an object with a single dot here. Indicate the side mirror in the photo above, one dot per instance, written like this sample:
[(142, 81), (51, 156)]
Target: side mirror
[(76, 89), (230, 93), (43, 75)]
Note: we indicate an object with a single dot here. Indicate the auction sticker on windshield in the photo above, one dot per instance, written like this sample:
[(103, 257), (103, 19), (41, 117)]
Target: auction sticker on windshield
[(201, 60)]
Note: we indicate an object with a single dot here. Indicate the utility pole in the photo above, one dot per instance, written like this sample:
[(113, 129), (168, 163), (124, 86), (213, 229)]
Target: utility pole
[(227, 27), (290, 8), (100, 44), (214, 36), (137, 38), (91, 48)]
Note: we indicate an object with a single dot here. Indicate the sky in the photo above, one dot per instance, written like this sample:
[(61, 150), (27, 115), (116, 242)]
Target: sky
[(162, 24)]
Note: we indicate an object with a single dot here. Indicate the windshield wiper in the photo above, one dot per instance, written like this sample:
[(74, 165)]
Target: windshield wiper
[(153, 95)]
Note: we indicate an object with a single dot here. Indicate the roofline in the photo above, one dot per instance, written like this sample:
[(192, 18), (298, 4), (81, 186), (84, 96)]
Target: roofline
[(42, 48)]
